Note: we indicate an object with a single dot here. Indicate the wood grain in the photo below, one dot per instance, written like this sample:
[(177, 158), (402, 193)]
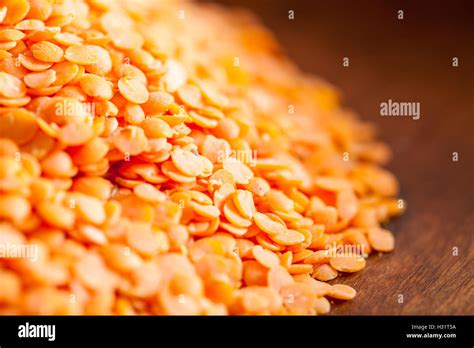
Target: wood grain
[(407, 60)]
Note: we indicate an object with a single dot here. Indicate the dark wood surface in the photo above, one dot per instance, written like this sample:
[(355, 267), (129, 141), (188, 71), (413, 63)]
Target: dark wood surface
[(408, 60)]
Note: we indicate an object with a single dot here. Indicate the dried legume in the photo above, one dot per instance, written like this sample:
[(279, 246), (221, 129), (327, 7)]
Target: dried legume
[(154, 180)]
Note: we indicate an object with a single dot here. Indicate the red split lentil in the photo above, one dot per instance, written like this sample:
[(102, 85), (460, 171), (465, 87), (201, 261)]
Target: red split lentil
[(153, 175)]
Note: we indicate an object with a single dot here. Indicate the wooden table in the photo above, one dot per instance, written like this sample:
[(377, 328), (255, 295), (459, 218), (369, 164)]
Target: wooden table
[(407, 60)]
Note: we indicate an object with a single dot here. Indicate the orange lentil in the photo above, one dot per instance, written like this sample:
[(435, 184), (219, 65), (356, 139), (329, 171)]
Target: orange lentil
[(79, 74), (91, 152), (278, 277), (74, 92), (133, 90), (258, 186), (14, 207), (7, 45), (324, 273), (227, 129), (65, 72), (279, 201), (321, 288), (75, 134), (155, 180), (134, 114), (31, 63), (381, 239), (46, 51), (170, 170), (347, 263), (158, 102), (366, 217), (11, 286), (103, 65), (92, 272), (145, 241), (132, 71), (286, 259), (40, 9), (10, 86), (156, 128), (8, 148), (94, 186), (187, 162), (332, 184), (220, 178), (92, 234), (18, 125), (190, 95), (288, 237), (342, 292), (84, 55), (29, 24), (96, 86), (300, 268), (302, 255), (44, 33), (199, 197), (120, 258), (254, 273), (299, 298), (204, 210), (346, 204), (235, 230), (44, 91), (16, 10), (58, 164), (68, 39), (4, 54), (233, 215), (322, 306), (265, 257), (130, 140), (89, 208), (356, 237), (3, 13), (149, 193), (11, 35), (10, 65), (244, 247), (319, 256), (268, 224), (243, 201), (40, 79), (56, 215), (30, 164), (267, 243), (214, 149), (241, 172)]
